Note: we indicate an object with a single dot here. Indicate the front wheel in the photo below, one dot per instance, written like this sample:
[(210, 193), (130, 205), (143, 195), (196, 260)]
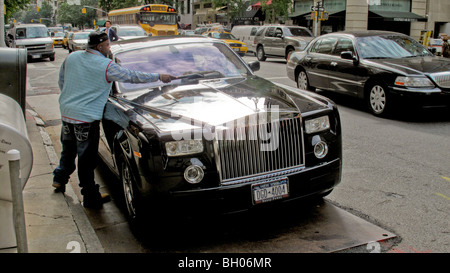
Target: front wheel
[(378, 100), (130, 193)]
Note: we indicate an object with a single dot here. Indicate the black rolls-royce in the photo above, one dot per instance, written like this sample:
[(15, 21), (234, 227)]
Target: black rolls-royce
[(218, 137)]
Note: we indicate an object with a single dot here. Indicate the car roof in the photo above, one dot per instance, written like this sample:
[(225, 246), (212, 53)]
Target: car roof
[(366, 33), (139, 43)]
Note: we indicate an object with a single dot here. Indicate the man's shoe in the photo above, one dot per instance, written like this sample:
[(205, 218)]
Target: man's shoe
[(97, 201), (59, 187)]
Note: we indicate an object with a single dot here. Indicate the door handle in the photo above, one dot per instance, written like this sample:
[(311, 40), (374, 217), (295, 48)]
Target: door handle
[(333, 64)]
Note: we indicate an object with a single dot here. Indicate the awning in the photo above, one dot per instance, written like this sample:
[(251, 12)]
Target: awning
[(259, 4), (399, 16)]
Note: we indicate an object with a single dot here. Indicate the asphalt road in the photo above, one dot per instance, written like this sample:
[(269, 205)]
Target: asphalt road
[(396, 171)]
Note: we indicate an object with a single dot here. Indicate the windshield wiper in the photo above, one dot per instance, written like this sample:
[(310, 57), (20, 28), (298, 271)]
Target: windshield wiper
[(200, 74)]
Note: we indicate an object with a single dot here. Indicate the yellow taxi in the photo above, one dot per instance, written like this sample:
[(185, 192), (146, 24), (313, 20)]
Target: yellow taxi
[(58, 38), (65, 44), (238, 46)]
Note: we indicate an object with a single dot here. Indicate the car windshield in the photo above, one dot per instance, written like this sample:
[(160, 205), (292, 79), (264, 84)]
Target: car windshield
[(59, 34), (79, 36), (390, 46), (190, 61), (227, 36), (295, 31), (31, 32), (131, 32)]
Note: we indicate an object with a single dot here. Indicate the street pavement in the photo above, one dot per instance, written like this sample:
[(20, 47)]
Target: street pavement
[(55, 222)]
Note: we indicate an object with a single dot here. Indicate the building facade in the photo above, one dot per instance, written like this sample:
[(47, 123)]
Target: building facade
[(411, 17)]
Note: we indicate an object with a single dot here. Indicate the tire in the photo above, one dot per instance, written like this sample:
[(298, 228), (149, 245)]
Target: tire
[(288, 53), (378, 100), (303, 81), (52, 58), (260, 54), (130, 194)]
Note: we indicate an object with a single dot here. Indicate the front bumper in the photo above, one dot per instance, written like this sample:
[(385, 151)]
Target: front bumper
[(40, 54), (236, 198), (426, 98)]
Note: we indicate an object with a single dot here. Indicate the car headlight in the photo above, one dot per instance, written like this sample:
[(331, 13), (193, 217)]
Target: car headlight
[(317, 125), (413, 82), (184, 147)]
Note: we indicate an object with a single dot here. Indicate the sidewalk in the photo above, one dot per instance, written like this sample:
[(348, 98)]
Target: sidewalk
[(55, 222)]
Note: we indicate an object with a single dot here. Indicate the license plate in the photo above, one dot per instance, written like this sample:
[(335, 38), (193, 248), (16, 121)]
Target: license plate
[(35, 56), (270, 191), (236, 49)]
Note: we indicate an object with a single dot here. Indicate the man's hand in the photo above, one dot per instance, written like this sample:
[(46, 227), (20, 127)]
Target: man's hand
[(165, 78)]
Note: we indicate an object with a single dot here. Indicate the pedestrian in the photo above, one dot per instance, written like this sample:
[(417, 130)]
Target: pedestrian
[(111, 33), (445, 47), (85, 81)]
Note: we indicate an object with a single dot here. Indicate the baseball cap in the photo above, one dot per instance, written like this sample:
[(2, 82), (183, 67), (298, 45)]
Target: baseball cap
[(97, 37)]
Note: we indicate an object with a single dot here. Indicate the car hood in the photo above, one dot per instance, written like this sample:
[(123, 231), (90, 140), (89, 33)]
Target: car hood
[(216, 102), (80, 41), (33, 41), (415, 65)]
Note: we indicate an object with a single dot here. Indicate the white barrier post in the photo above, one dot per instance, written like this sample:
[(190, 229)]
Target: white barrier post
[(17, 199)]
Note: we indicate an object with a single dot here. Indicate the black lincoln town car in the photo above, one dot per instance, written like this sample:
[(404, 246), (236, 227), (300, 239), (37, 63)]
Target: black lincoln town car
[(383, 68), (218, 137)]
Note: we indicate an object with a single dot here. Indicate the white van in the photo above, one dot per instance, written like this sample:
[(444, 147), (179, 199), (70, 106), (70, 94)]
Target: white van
[(246, 34), (35, 38)]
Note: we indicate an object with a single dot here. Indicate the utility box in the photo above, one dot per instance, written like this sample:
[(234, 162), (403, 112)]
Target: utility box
[(13, 135), (13, 74)]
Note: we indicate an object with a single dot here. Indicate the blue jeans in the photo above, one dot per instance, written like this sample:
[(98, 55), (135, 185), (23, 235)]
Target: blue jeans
[(80, 140)]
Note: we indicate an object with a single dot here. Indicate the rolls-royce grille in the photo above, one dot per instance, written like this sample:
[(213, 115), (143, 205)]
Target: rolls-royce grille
[(442, 79), (259, 149)]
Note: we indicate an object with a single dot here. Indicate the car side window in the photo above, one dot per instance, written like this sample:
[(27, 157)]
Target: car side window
[(278, 32), (344, 44), (324, 45), (270, 32)]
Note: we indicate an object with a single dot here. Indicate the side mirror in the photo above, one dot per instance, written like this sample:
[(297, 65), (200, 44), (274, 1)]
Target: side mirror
[(254, 66), (348, 55), (150, 34)]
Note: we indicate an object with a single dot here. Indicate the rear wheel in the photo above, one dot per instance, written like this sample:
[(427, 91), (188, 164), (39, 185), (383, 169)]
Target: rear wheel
[(260, 54)]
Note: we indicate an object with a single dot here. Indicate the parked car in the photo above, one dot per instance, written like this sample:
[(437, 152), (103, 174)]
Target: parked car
[(33, 37), (238, 46), (78, 41), (58, 38), (280, 41), (129, 31), (246, 34), (218, 138), (383, 68)]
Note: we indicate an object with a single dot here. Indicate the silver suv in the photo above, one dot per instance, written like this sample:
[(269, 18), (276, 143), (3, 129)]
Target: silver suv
[(280, 41), (33, 37)]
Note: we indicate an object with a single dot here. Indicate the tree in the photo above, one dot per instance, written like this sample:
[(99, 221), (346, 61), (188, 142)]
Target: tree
[(13, 6), (276, 9), (71, 14)]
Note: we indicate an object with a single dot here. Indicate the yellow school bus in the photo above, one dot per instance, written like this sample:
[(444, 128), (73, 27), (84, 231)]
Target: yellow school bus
[(157, 19)]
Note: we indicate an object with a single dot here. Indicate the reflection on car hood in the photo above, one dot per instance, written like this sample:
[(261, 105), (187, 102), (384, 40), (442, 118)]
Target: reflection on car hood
[(415, 65), (216, 102), (80, 41)]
